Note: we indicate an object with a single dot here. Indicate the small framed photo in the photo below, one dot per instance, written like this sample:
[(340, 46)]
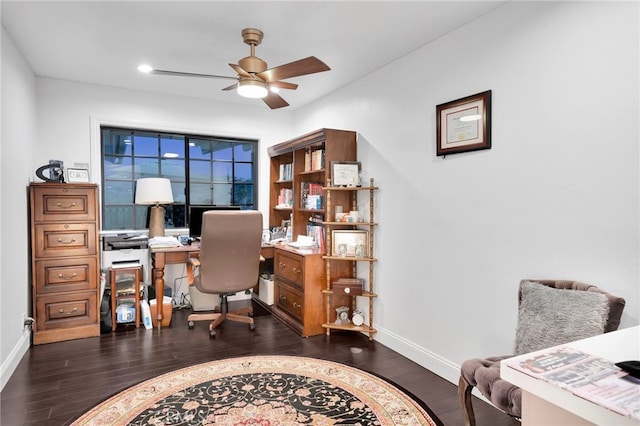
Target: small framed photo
[(350, 243), (345, 173), (464, 124), (77, 175)]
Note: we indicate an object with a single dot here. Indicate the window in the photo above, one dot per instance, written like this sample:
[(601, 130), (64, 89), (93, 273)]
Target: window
[(203, 171)]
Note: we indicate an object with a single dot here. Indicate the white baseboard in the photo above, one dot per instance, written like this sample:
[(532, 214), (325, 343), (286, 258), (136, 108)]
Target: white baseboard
[(433, 362), (14, 358), (429, 360)]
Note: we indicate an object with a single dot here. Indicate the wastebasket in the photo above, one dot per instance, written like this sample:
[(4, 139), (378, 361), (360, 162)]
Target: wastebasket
[(167, 309)]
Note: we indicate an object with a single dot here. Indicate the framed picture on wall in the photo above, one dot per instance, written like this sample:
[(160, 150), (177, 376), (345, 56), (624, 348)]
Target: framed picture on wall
[(464, 124)]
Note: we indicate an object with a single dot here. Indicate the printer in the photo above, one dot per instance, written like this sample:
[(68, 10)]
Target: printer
[(124, 249)]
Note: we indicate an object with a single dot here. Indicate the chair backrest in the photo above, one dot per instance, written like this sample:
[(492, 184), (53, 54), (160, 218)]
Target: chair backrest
[(616, 304), (229, 251)]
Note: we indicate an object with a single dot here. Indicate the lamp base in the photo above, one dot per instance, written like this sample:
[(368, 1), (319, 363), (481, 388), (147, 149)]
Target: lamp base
[(156, 222)]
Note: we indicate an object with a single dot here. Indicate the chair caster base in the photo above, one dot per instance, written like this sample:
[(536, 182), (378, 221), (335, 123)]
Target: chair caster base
[(252, 327), (191, 324)]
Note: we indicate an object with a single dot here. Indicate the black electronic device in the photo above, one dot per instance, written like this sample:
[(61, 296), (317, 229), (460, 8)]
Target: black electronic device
[(631, 367), (195, 217)]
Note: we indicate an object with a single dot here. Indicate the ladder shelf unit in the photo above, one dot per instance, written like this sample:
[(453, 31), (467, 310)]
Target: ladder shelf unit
[(332, 258)]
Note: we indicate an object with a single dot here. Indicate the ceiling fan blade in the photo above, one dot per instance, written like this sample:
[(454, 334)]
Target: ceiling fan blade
[(274, 101), (304, 66), (232, 87), (189, 74), (283, 85), (240, 70)]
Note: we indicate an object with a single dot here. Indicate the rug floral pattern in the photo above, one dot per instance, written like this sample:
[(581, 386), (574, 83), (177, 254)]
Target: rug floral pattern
[(261, 391)]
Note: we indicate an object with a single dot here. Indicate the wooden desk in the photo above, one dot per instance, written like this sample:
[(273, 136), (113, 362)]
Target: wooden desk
[(546, 404), (160, 257)]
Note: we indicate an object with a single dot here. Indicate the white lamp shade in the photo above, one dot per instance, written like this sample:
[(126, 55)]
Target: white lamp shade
[(153, 191)]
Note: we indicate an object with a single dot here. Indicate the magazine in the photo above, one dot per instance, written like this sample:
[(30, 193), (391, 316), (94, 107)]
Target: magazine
[(593, 378)]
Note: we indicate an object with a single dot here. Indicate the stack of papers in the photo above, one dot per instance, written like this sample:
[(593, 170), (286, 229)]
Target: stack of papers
[(303, 241), (159, 242), (592, 378)]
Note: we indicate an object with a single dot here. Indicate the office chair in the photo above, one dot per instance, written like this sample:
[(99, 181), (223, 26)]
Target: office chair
[(229, 262), (545, 318)]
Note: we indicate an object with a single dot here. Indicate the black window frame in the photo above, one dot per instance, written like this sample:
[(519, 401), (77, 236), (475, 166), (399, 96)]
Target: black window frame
[(176, 214)]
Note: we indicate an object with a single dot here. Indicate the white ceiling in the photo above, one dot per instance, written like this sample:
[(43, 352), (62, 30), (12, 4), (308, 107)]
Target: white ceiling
[(103, 42)]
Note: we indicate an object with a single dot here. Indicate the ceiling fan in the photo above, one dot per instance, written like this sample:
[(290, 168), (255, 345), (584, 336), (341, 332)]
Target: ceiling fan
[(253, 79)]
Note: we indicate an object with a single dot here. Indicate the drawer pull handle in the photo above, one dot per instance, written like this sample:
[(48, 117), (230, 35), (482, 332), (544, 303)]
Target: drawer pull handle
[(283, 298), (296, 270), (67, 277), (61, 311), (71, 241), (66, 206), (282, 265), (297, 305)]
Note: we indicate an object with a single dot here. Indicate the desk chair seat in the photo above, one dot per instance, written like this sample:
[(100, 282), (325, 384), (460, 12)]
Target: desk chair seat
[(229, 262)]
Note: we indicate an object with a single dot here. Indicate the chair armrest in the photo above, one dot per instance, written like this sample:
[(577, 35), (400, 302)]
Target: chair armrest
[(192, 263)]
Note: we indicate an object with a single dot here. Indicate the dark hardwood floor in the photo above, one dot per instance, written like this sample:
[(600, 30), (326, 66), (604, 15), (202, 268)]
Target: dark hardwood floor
[(56, 382)]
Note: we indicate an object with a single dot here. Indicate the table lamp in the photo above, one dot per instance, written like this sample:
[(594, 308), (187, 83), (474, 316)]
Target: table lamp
[(154, 191)]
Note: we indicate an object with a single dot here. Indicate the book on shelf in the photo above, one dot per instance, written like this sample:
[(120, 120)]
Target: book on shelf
[(313, 159), (589, 377), (315, 230), (285, 198), (285, 171), (311, 195)]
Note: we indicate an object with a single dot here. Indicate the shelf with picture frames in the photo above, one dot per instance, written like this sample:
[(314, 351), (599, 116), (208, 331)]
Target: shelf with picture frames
[(349, 239)]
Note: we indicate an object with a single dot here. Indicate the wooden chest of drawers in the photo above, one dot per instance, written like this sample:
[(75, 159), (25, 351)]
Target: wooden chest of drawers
[(64, 261)]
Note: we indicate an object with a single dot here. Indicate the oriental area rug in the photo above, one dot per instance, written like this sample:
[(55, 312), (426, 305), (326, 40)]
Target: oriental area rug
[(262, 391)]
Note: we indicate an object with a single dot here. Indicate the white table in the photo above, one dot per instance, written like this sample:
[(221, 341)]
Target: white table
[(544, 404)]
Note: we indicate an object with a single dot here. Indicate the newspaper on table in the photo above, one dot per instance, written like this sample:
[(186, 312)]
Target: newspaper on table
[(592, 378)]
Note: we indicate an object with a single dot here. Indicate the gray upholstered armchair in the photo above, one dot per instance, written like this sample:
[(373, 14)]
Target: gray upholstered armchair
[(548, 315)]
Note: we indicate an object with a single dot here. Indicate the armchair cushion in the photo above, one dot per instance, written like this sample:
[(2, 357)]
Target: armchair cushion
[(572, 315)]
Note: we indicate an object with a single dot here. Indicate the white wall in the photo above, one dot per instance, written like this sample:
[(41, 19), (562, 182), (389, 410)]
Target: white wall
[(70, 114), (16, 150), (555, 197)]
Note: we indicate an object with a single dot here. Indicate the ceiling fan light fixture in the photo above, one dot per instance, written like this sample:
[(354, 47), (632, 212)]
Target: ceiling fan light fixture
[(252, 89), (145, 68)]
